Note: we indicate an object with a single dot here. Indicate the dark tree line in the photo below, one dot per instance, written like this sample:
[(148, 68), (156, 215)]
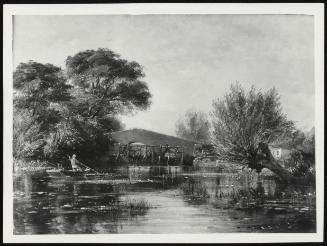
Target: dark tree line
[(59, 112)]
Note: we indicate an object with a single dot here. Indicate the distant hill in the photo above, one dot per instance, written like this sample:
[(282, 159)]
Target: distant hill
[(152, 138)]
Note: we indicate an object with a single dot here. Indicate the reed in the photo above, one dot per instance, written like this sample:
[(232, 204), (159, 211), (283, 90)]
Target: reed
[(137, 206)]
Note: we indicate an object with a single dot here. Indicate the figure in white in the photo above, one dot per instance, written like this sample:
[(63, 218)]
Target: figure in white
[(73, 163)]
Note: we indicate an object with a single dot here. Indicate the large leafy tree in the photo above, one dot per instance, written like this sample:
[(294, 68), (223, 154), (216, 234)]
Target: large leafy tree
[(108, 83), (245, 123), (62, 112), (40, 92), (194, 126), (38, 89)]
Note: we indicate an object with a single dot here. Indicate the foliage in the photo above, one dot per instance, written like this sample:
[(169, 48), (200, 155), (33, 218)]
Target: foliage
[(300, 140), (84, 139), (203, 150), (58, 113), (110, 84), (308, 145), (300, 165), (243, 120), (293, 140), (110, 124), (194, 126), (301, 161), (37, 86), (40, 93), (27, 138)]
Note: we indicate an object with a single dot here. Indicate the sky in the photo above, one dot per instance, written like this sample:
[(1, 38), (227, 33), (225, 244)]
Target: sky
[(189, 60)]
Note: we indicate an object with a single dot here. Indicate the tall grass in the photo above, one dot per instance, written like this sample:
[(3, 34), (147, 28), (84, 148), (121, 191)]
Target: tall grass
[(137, 206)]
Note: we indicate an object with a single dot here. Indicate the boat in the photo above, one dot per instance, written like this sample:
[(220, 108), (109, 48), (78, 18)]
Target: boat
[(67, 172), (81, 172)]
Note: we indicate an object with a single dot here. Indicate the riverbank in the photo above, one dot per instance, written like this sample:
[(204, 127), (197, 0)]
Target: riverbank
[(21, 167)]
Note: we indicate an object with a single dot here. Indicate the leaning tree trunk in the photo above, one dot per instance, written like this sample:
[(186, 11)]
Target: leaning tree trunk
[(267, 160)]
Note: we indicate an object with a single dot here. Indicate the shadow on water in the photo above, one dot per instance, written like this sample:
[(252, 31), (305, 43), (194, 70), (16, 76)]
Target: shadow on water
[(160, 199)]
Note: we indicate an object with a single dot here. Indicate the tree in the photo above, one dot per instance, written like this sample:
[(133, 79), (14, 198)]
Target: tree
[(245, 123), (63, 112), (38, 88), (193, 126), (75, 135), (108, 83), (308, 145), (293, 140)]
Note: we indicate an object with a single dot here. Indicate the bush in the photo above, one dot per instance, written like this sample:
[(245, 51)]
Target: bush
[(28, 140), (83, 138), (298, 164)]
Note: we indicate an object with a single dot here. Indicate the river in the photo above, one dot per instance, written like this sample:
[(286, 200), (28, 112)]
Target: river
[(160, 200)]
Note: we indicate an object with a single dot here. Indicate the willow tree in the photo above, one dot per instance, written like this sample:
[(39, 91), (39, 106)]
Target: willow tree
[(245, 123), (106, 84)]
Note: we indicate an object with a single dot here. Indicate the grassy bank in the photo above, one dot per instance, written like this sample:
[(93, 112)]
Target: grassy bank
[(30, 166)]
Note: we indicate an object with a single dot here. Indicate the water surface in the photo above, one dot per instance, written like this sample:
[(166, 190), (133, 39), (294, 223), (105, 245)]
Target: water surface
[(160, 200)]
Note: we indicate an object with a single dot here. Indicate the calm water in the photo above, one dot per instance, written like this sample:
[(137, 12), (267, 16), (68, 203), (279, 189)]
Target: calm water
[(160, 200)]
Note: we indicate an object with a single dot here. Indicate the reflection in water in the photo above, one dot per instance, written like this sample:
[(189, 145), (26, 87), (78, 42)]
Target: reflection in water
[(161, 199)]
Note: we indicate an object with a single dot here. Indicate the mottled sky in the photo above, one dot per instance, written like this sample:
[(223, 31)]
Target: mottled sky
[(189, 60)]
